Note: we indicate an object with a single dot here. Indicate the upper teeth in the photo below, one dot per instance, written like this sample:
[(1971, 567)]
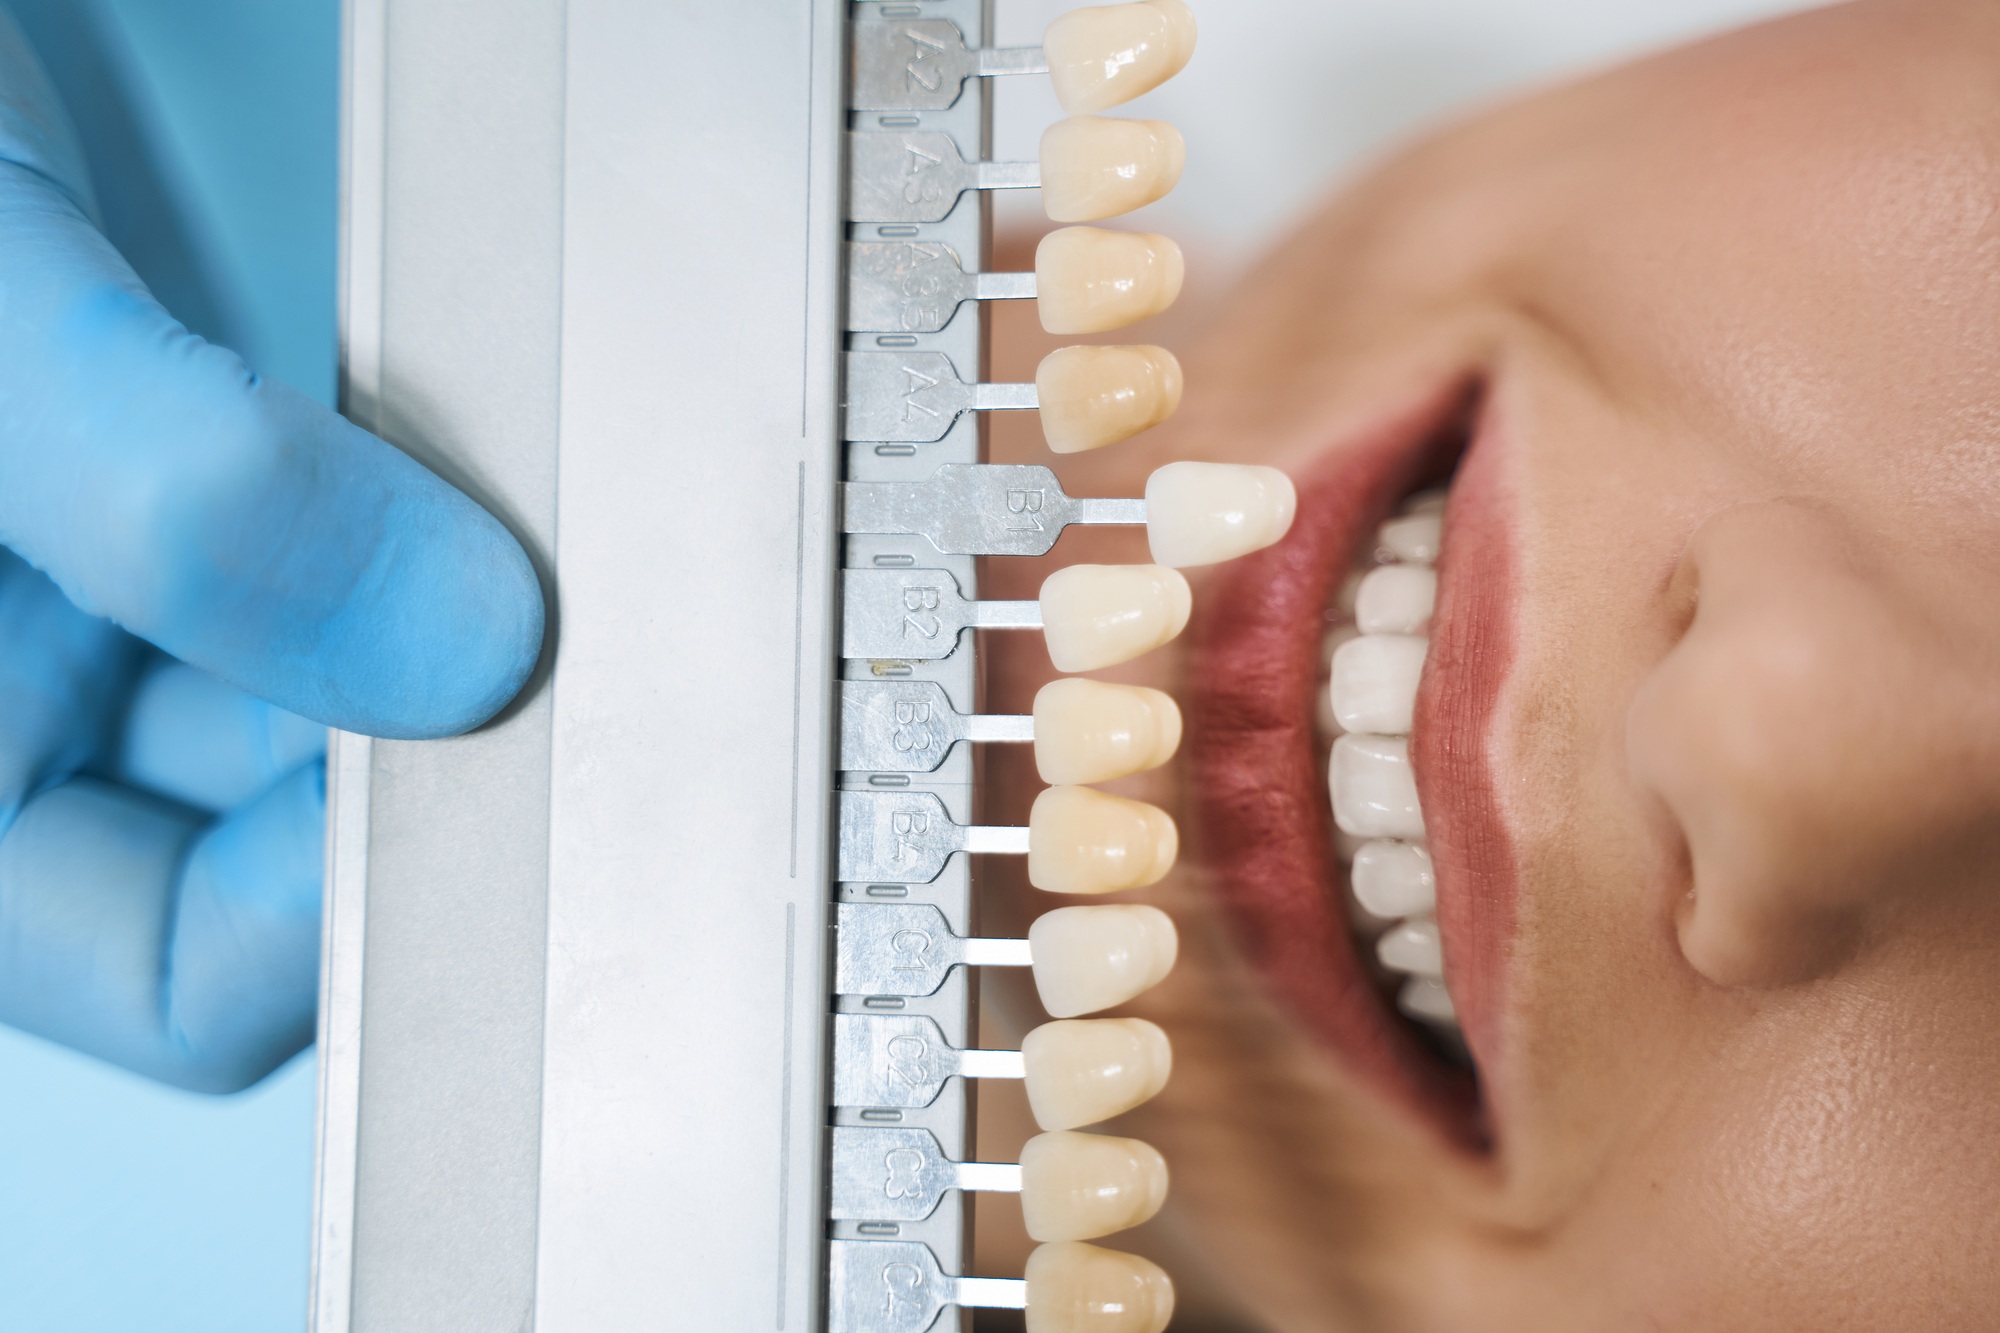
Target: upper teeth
[(1371, 696)]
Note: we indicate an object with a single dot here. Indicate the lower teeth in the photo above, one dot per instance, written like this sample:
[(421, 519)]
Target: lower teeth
[(1374, 657)]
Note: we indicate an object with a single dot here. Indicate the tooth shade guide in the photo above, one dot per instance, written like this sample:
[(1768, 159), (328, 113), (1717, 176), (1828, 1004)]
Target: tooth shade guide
[(1092, 396), (1090, 731), (1096, 167), (1092, 958), (1104, 55), (1090, 280)]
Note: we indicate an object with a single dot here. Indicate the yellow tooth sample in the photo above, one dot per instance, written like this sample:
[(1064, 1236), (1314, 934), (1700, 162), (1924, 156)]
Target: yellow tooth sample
[(1088, 731), (1081, 840), (1083, 1070), (1091, 958), (1088, 280), (1101, 57), (1081, 1186), (1078, 1288), (1205, 513), (1094, 167), (1096, 616), (1094, 396)]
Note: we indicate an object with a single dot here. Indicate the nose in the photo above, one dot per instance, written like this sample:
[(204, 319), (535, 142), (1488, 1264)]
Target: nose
[(1823, 741)]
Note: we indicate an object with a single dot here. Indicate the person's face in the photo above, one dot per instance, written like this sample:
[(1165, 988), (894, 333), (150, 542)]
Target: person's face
[(1708, 741)]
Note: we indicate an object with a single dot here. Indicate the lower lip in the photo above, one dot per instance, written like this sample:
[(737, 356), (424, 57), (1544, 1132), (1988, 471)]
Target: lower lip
[(1265, 822)]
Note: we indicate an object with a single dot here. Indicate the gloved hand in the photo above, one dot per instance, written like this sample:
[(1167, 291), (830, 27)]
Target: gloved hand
[(160, 825)]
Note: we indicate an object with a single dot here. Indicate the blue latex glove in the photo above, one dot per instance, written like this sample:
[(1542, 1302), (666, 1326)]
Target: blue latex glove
[(161, 826)]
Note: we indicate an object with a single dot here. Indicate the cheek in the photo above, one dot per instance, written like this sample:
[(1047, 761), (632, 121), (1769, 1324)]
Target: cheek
[(1831, 1166)]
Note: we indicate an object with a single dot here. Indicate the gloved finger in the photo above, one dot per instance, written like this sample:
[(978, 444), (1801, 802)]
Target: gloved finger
[(229, 520), (206, 743), (63, 680), (185, 951)]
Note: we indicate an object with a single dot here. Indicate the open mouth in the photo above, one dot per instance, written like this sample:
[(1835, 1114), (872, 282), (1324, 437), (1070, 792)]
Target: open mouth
[(1405, 993)]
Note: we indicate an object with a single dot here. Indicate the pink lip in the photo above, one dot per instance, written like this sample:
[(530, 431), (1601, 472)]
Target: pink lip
[(1262, 807)]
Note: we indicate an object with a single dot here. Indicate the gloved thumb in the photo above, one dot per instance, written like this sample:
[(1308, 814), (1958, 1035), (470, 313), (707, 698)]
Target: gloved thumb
[(229, 520)]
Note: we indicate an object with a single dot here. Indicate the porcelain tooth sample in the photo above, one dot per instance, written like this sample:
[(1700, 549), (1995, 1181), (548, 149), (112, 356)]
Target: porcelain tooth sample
[(1090, 731), (1081, 840), (1097, 167), (1082, 1186), (1079, 1288), (1101, 57), (1083, 1070), (1095, 616), (1094, 396), (1089, 280), (1374, 668), (1205, 513), (1091, 958)]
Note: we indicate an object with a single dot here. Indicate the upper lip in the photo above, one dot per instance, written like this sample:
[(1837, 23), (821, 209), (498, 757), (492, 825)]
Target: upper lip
[(1260, 792)]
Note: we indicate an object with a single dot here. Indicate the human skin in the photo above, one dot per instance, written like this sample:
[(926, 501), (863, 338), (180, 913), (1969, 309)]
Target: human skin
[(1728, 325)]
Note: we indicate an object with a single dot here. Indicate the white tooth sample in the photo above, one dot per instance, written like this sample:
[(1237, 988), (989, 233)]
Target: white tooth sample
[(1083, 1070), (1094, 167), (1205, 513), (1426, 502), (1414, 538), (1091, 958), (1094, 396), (1096, 616), (1090, 731), (1394, 879), (1373, 683), (1081, 1186), (1079, 1288), (1426, 998), (1101, 57), (1081, 840), (1374, 792), (1088, 280), (1412, 947), (1396, 599)]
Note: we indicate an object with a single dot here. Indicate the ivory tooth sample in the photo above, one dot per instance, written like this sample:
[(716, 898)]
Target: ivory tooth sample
[(1101, 57), (1094, 167), (1081, 840), (1374, 791), (1089, 731), (1083, 1070), (1091, 958), (1079, 1288), (1205, 513), (1097, 616), (1088, 280), (1082, 1186), (1094, 396), (1374, 682), (1396, 599)]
